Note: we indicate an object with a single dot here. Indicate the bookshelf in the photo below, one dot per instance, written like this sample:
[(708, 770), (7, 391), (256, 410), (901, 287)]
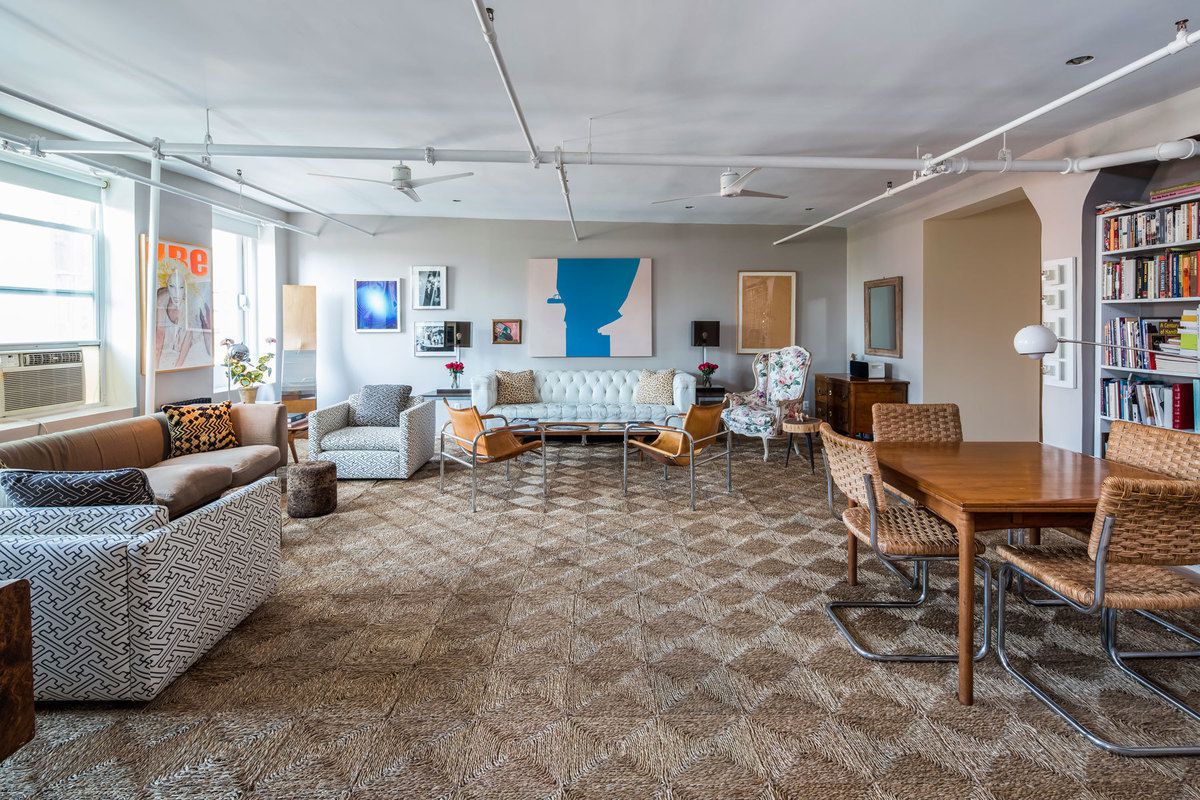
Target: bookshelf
[(1186, 235)]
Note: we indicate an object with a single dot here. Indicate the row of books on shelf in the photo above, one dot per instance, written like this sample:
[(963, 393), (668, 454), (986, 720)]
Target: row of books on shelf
[(1165, 225), (1172, 342), (1154, 277), (1166, 405)]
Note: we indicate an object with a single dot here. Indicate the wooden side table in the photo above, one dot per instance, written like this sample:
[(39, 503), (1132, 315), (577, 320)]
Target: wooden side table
[(806, 426), (706, 395), (294, 428), (16, 667)]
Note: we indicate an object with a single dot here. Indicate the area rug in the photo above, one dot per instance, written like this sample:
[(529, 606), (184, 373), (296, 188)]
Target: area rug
[(603, 647)]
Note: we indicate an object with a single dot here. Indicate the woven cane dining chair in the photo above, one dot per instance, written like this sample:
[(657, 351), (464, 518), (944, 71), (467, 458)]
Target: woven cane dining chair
[(916, 422), (896, 534), (680, 446), (1144, 532), (485, 445)]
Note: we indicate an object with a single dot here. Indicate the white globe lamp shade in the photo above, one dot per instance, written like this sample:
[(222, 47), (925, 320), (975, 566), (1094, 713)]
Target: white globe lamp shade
[(1035, 341)]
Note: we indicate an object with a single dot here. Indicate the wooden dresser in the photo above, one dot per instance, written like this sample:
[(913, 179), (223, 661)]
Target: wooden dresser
[(845, 402), (16, 667)]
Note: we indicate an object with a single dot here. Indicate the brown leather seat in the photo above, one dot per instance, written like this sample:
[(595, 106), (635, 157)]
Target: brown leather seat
[(183, 487), (247, 463)]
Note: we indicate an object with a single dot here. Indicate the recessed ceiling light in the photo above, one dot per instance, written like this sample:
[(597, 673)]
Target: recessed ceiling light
[(456, 201), (1077, 60), (689, 206), (810, 208)]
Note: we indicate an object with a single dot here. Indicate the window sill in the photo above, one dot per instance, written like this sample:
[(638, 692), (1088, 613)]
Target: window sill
[(13, 428)]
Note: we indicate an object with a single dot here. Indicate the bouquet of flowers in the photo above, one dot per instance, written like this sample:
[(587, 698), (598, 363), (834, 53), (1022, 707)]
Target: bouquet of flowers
[(456, 369), (706, 370)]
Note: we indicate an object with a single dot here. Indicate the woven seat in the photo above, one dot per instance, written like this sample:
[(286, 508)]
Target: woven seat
[(1072, 573), (906, 531)]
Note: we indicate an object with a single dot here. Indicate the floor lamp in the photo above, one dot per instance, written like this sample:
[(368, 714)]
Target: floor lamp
[(1037, 341)]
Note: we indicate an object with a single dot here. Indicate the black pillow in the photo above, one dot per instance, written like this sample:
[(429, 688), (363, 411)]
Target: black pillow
[(27, 488)]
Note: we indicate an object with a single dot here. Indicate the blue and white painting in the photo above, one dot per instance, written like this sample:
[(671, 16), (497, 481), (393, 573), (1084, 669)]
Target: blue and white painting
[(376, 306), (590, 307)]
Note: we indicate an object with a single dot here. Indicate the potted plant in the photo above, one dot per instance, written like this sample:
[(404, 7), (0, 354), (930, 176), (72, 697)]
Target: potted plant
[(706, 371), (246, 374), (456, 369)]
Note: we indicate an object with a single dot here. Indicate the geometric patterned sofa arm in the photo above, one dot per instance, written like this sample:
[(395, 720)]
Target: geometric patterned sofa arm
[(193, 580), (81, 520), (417, 423), (324, 421)]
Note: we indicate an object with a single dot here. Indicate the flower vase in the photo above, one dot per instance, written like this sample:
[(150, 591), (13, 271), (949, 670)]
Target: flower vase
[(453, 380), (706, 381), (249, 394)]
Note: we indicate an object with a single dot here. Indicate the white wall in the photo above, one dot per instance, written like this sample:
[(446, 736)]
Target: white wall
[(695, 277), (892, 243)]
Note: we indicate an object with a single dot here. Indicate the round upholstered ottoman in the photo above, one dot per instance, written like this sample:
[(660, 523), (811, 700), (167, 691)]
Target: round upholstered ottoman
[(312, 489)]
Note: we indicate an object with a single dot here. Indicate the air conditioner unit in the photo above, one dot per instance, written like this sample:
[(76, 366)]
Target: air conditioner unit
[(34, 381)]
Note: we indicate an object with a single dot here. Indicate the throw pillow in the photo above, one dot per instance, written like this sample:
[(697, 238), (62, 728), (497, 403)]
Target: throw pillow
[(379, 405), (28, 488), (199, 429), (655, 388), (515, 388)]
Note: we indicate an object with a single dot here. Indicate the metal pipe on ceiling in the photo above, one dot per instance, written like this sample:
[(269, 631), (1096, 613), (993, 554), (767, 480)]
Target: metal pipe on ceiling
[(149, 267), (891, 191), (150, 145), (156, 185), (489, 36)]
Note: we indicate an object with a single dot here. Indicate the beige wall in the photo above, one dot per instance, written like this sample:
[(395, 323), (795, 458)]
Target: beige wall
[(981, 284), (893, 242)]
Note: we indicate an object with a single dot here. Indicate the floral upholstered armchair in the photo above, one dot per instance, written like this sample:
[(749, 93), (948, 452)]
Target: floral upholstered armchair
[(778, 394)]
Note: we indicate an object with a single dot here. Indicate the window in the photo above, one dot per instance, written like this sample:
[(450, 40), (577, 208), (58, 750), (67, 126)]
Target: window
[(235, 280), (49, 267)]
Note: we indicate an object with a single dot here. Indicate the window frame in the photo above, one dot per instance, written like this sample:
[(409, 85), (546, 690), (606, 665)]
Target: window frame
[(248, 326)]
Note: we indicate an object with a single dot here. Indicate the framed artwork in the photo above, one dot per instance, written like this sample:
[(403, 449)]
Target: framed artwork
[(433, 338), (377, 306), (183, 308), (506, 331), (883, 317), (593, 307), (766, 311), (429, 290)]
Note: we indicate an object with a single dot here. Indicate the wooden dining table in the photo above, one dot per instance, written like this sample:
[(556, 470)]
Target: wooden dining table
[(987, 486)]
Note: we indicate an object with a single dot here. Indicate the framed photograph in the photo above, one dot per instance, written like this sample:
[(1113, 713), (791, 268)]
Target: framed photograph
[(377, 306), (433, 338), (506, 331), (429, 290), (766, 311)]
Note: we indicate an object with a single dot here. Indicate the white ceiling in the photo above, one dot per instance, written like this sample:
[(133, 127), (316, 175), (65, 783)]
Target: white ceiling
[(874, 77)]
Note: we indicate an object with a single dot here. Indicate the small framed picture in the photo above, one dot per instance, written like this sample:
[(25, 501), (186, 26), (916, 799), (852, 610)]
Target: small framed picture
[(429, 290), (376, 306), (506, 331), (433, 338)]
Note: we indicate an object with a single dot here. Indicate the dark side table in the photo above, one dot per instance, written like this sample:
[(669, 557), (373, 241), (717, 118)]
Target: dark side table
[(16, 667), (708, 395)]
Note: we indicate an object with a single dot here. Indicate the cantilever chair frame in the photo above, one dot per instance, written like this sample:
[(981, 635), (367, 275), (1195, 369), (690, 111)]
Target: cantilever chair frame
[(1108, 639), (472, 446), (919, 582), (641, 427)]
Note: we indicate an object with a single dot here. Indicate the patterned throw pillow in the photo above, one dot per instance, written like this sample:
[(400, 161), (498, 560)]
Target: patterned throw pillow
[(379, 405), (515, 388), (655, 388), (28, 488), (199, 429)]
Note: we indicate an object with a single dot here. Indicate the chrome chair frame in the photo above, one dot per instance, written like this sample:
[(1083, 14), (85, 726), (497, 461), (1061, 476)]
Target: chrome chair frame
[(473, 447), (1108, 639), (635, 427), (919, 582)]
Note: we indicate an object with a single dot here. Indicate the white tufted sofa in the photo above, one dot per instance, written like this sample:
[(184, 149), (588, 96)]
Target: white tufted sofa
[(598, 395)]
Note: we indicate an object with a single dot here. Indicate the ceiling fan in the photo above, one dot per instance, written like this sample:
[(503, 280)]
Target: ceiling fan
[(732, 185), (402, 180)]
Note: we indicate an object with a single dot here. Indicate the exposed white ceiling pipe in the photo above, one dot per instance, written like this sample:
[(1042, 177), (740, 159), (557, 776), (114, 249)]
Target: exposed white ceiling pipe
[(566, 192), (1182, 40), (489, 36), (891, 191), (1163, 151), (549, 157), (149, 269), (31, 145), (151, 146)]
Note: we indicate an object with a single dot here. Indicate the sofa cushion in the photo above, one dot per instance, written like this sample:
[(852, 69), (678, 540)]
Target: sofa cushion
[(182, 487), (200, 429), (750, 420), (379, 404), (248, 463), (588, 412), (515, 388), (655, 388), (364, 437), (24, 488), (138, 442)]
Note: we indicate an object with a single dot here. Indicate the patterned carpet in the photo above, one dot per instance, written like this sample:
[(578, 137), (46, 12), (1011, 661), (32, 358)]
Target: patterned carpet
[(605, 648)]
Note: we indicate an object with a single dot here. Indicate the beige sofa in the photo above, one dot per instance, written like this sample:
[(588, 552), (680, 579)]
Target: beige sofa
[(182, 483)]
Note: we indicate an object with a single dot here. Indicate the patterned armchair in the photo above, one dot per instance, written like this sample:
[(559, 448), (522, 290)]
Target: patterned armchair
[(778, 394)]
